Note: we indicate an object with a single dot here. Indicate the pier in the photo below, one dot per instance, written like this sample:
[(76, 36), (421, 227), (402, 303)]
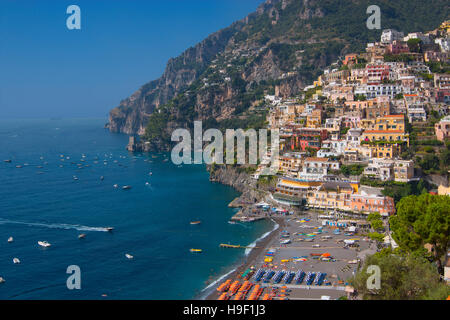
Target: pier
[(224, 245)]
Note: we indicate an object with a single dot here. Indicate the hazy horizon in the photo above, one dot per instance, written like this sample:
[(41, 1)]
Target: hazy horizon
[(49, 71)]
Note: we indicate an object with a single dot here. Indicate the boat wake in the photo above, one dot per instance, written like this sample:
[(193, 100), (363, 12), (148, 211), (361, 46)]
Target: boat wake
[(55, 225)]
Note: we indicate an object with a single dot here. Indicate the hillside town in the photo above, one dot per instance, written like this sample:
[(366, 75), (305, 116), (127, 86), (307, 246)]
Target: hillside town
[(359, 118), (372, 130)]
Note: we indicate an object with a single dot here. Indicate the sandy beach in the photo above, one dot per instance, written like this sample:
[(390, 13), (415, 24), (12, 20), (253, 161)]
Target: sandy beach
[(342, 265)]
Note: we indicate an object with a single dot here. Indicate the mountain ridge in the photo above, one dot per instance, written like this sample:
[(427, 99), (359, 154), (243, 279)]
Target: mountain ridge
[(283, 45)]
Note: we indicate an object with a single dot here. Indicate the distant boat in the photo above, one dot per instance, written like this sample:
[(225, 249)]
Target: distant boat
[(2, 280), (126, 187), (285, 241), (10, 239), (150, 173), (75, 178), (102, 178), (129, 256), (195, 250), (231, 222), (16, 260), (44, 244), (19, 166), (81, 236), (109, 229), (7, 161), (196, 222), (116, 186)]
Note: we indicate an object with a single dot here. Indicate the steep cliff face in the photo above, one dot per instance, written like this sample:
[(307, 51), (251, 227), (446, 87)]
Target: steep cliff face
[(281, 47), (132, 114)]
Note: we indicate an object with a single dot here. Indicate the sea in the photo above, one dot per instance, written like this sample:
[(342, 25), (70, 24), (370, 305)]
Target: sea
[(65, 178)]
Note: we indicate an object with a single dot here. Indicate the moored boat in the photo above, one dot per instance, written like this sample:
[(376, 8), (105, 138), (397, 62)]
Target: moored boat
[(195, 250), (16, 261), (44, 244), (10, 239), (129, 256), (81, 236), (196, 222)]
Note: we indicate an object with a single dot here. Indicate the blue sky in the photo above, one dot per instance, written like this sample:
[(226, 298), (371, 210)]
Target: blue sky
[(48, 71)]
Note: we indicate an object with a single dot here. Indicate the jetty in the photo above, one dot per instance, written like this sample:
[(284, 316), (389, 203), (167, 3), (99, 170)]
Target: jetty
[(236, 246), (243, 217)]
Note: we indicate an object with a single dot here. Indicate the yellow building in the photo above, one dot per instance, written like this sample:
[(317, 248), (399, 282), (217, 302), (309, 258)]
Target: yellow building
[(314, 120), (385, 135), (385, 150), (394, 122), (332, 195)]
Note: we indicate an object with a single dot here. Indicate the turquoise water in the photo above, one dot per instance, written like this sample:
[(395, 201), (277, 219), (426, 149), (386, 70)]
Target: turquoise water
[(151, 221)]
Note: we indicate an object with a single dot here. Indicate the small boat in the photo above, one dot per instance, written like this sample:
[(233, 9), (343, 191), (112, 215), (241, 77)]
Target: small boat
[(75, 178), (126, 187), (19, 166), (44, 244), (195, 250), (129, 256), (287, 241), (10, 239), (102, 178), (7, 161), (150, 173), (2, 280), (82, 236), (116, 186), (16, 260), (232, 222), (109, 229), (196, 222)]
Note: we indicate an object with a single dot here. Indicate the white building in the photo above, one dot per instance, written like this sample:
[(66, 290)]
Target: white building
[(390, 35), (418, 35), (374, 91), (444, 43), (315, 168)]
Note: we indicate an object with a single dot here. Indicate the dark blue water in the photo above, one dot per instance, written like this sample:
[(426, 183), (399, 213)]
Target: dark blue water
[(151, 221)]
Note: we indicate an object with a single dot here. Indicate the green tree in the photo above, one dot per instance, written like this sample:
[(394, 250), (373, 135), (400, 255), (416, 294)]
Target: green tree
[(376, 221), (403, 277), (423, 220)]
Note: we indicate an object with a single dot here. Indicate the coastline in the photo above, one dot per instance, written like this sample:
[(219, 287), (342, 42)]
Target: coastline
[(247, 261)]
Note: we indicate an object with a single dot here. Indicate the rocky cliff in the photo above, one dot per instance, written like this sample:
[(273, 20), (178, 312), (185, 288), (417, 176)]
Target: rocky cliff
[(280, 47)]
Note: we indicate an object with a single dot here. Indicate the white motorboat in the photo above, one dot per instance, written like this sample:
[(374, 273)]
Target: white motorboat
[(16, 260), (2, 280), (81, 236), (129, 256), (109, 229), (10, 239), (44, 244)]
